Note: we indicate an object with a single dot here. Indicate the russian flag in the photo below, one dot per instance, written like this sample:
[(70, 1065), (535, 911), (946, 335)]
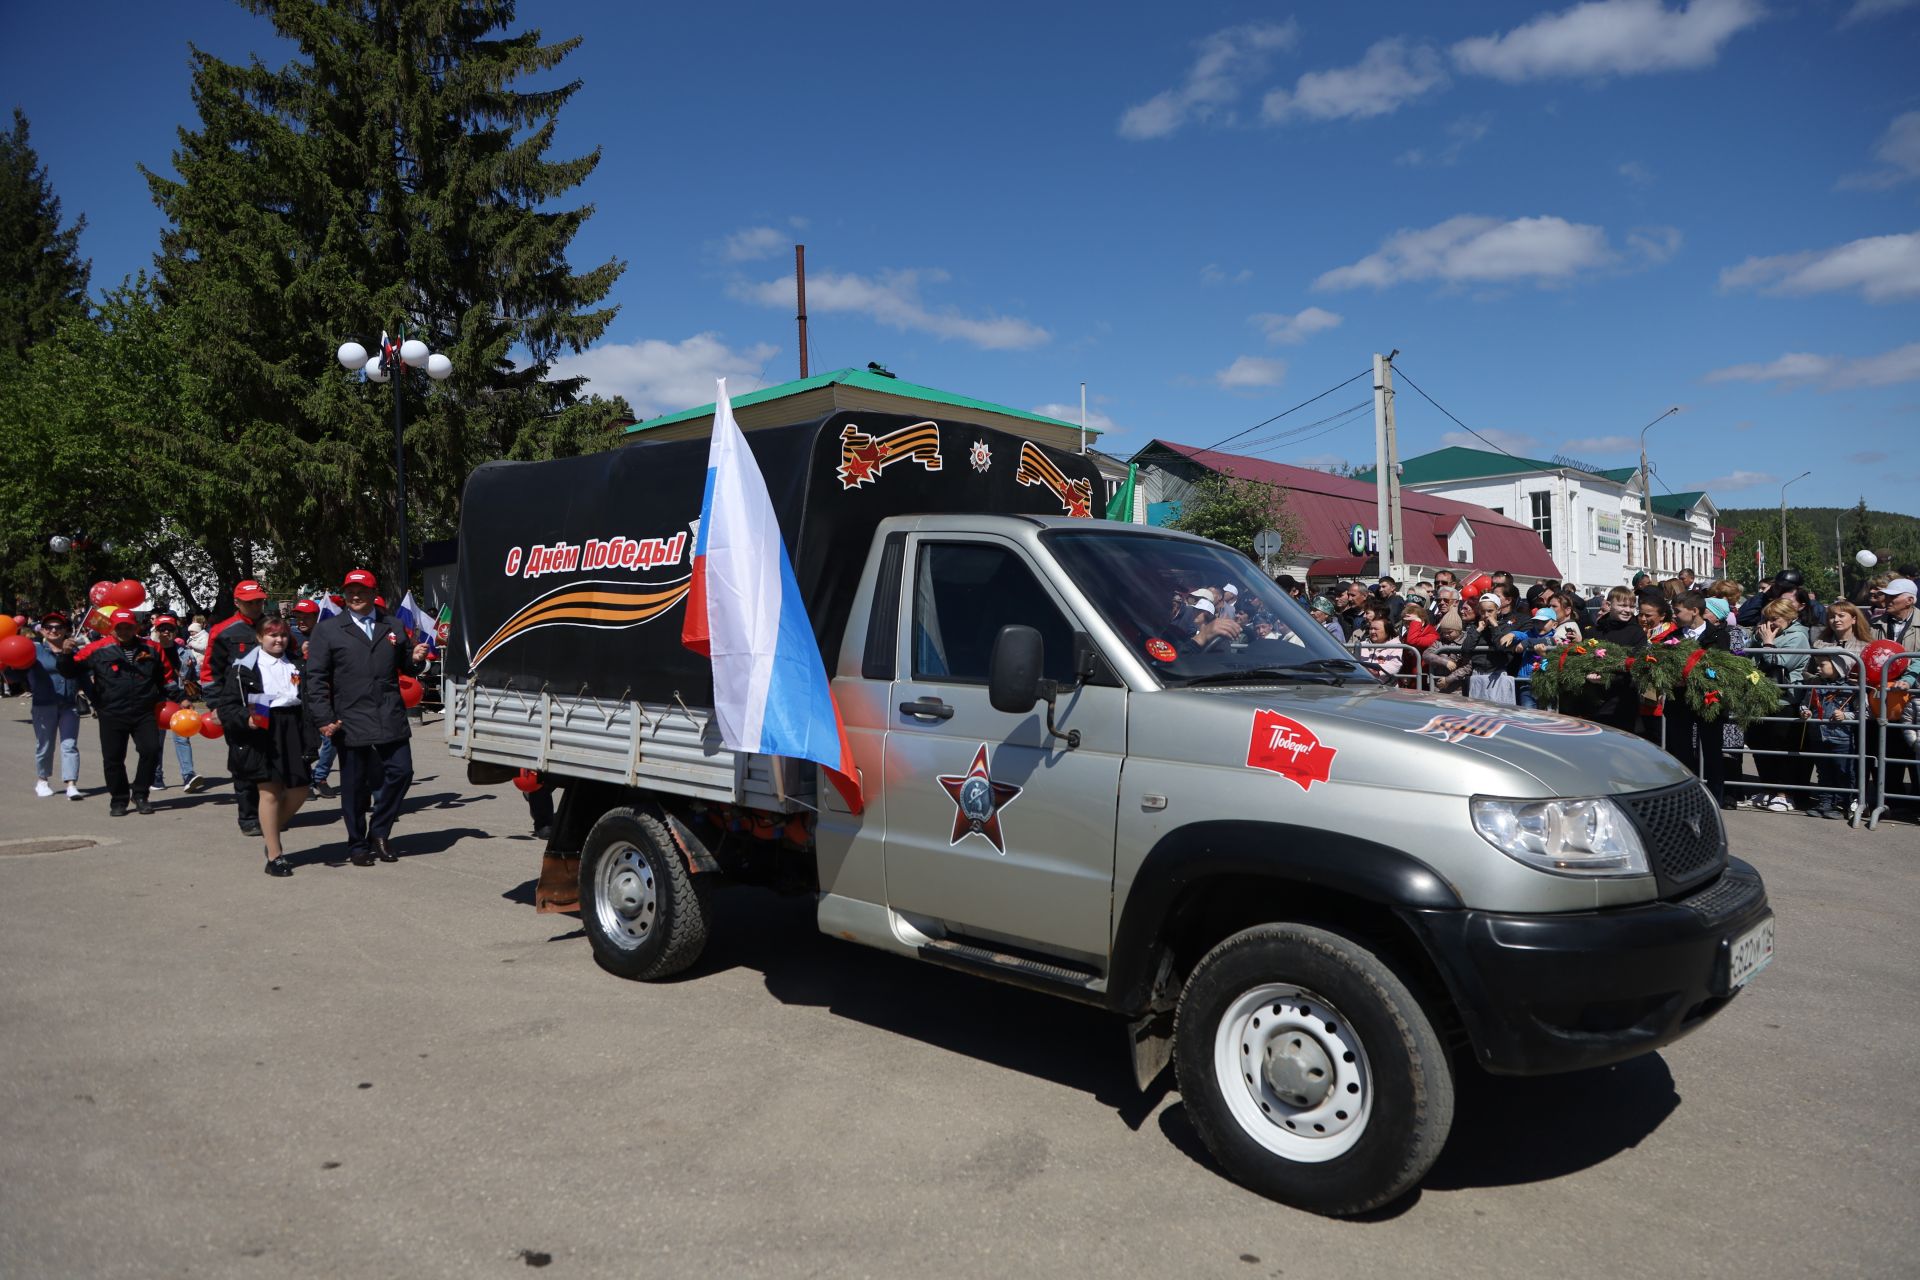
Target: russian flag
[(328, 606), (259, 711), (770, 691), (417, 625)]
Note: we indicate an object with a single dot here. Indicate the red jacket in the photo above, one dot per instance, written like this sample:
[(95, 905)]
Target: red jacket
[(228, 640), (1422, 635)]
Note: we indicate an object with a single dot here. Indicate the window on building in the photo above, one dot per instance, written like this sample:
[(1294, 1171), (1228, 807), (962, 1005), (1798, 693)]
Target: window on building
[(1630, 559), (1543, 518)]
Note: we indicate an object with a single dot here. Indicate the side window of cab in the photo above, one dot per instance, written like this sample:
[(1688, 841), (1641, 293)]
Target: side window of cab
[(963, 593)]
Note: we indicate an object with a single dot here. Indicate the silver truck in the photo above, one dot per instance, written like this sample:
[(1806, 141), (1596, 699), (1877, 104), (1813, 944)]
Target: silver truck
[(1316, 895)]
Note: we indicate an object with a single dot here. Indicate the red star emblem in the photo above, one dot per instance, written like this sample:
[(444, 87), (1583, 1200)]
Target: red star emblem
[(862, 461), (977, 802)]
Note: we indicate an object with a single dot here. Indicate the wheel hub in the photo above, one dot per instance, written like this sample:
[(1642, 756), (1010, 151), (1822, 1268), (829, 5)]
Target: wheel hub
[(1298, 1070), (626, 898), (628, 892)]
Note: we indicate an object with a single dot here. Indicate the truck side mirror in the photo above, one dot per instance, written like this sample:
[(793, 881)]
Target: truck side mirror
[(1013, 677)]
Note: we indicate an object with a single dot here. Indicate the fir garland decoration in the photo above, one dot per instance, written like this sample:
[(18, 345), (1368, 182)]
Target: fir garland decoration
[(1715, 683)]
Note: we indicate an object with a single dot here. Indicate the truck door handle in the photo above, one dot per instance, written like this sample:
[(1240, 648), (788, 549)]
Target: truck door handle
[(932, 708)]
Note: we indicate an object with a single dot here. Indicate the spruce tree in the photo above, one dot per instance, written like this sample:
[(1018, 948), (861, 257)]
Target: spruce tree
[(43, 278), (389, 177)]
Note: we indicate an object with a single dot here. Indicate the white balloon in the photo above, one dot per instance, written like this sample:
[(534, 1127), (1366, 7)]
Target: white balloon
[(375, 373), (59, 544), (439, 368), (1865, 559), (413, 351), (352, 356)]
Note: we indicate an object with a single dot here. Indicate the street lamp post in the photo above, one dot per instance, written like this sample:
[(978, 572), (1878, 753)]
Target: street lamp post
[(381, 366), (1646, 487), (1783, 515)]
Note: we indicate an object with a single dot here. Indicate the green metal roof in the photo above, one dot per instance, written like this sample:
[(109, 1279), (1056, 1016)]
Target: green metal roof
[(865, 380), (1677, 504), (1456, 463), (1619, 475)]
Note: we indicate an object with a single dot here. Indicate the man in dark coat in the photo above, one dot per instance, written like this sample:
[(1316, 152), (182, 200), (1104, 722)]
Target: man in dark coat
[(354, 663), (229, 639), (128, 679)]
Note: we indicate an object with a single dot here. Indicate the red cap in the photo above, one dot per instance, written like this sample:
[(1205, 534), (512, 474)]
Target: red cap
[(380, 602), (248, 589), (52, 615), (306, 606), (119, 616), (360, 578), (166, 620)]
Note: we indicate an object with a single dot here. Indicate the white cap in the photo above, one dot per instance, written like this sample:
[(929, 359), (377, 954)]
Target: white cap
[(1203, 604), (1902, 587), (1231, 590)]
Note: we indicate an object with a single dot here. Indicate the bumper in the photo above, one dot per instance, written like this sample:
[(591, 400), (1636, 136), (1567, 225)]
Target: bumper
[(1540, 994)]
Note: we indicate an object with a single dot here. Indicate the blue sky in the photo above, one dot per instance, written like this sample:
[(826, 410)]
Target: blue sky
[(1567, 219)]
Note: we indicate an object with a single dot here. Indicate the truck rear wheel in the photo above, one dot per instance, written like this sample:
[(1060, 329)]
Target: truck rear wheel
[(1310, 1071), (645, 913)]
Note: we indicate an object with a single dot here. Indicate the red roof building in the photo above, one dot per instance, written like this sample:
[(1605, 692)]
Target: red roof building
[(1439, 532)]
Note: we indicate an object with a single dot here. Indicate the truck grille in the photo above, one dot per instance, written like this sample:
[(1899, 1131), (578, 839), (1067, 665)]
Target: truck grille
[(1682, 831)]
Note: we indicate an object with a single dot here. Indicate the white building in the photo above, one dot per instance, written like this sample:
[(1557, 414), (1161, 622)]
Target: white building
[(1594, 524)]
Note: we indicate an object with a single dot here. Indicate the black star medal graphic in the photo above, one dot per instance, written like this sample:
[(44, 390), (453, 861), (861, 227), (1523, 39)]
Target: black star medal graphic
[(977, 802)]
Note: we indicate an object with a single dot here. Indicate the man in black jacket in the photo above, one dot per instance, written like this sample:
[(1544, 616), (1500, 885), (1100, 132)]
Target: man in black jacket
[(230, 639), (128, 680), (352, 689)]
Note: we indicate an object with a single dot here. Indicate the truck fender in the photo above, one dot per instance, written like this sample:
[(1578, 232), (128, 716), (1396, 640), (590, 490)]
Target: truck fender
[(1284, 853)]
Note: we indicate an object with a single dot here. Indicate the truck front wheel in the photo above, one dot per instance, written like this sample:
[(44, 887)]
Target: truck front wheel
[(644, 912), (1310, 1071)]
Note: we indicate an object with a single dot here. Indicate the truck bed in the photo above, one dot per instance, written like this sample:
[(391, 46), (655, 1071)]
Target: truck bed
[(670, 747)]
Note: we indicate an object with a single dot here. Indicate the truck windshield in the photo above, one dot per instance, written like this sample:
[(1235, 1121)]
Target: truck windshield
[(1194, 610)]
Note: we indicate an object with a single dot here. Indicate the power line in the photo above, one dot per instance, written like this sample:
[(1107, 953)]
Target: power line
[(1265, 441), (1442, 408), (1283, 413), (1345, 418)]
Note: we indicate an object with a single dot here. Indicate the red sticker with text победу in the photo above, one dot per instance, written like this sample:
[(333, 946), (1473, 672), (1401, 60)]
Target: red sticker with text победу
[(1159, 650)]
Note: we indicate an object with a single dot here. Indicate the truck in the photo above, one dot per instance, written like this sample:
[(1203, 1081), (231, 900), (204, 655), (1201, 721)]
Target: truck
[(1316, 897)]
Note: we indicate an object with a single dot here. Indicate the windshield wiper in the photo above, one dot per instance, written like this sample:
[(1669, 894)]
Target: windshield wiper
[(1334, 669)]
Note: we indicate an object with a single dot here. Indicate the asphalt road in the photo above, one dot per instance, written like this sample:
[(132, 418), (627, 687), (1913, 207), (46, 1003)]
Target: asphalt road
[(404, 1071)]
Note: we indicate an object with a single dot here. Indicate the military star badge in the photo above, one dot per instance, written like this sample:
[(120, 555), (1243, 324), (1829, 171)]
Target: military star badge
[(977, 802)]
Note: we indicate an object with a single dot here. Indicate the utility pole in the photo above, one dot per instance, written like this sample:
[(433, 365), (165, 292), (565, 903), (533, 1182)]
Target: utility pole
[(1386, 467), (1083, 417), (800, 289), (1646, 491)]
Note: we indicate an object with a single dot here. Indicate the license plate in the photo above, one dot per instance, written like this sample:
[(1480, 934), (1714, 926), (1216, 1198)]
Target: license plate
[(1748, 954)]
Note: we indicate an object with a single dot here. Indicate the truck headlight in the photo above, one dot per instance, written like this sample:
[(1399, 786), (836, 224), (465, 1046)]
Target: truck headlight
[(1565, 837)]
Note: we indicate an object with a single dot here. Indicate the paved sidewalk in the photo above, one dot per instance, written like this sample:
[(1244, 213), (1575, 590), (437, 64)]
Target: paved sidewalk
[(404, 1071)]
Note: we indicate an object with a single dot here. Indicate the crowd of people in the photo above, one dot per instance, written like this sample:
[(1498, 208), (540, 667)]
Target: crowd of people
[(1808, 754), (293, 695)]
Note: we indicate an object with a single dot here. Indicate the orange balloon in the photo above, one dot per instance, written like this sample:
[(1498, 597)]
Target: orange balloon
[(185, 723), (7, 626)]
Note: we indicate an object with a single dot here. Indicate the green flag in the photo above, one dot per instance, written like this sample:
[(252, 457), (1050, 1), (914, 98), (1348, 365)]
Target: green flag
[(1121, 508)]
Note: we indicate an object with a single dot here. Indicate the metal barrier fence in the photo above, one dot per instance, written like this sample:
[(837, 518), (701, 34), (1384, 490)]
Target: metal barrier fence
[(1872, 742)]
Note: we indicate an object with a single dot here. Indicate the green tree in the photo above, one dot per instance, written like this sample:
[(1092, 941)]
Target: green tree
[(43, 278), (391, 177), (1860, 535), (1806, 551), (1228, 509)]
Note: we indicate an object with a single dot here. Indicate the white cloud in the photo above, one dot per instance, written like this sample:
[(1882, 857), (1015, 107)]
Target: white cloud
[(892, 298), (1898, 152), (1610, 37), (664, 377), (1601, 444), (1511, 441), (1636, 173), (1741, 480), (1882, 268), (753, 243), (1290, 330), (1461, 134), (1654, 244), (1226, 61), (1830, 373), (1469, 249), (1096, 420), (1870, 458), (1214, 273), (1868, 10), (1393, 73), (1251, 371)]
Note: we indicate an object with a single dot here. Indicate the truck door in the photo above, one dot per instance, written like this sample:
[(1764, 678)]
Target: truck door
[(995, 829)]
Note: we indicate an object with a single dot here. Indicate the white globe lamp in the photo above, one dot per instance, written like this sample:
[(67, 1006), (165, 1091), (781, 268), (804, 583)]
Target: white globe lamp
[(413, 351), (352, 357), (59, 544), (439, 368), (375, 372)]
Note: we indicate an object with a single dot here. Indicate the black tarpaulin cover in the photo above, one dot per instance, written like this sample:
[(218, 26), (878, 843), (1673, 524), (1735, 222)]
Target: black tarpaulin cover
[(574, 572)]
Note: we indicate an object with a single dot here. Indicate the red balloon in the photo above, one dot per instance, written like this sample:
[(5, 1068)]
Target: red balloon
[(210, 726), (411, 691), (100, 592), (1884, 656), (1474, 586), (127, 593), (527, 780), (165, 713), (19, 622), (17, 653)]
